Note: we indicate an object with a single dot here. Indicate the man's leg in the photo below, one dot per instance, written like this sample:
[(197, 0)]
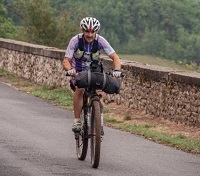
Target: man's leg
[(78, 103)]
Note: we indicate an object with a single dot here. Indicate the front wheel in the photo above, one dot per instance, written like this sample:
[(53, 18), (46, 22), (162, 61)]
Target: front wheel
[(95, 134), (82, 138)]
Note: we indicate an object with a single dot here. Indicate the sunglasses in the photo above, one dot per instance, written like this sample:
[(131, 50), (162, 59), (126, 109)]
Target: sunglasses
[(92, 31)]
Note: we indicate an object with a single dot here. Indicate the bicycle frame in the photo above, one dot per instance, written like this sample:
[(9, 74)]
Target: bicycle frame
[(91, 127)]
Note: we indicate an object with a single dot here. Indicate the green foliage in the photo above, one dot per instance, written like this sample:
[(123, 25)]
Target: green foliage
[(168, 29), (42, 26), (67, 26), (7, 28), (38, 20), (2, 11)]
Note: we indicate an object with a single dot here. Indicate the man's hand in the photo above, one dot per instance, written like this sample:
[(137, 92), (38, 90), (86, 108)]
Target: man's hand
[(116, 73), (71, 72)]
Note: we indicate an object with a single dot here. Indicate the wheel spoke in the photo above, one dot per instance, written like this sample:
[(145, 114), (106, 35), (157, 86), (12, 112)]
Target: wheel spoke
[(82, 140)]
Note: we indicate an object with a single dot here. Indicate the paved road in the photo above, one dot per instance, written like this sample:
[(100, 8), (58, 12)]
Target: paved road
[(36, 140)]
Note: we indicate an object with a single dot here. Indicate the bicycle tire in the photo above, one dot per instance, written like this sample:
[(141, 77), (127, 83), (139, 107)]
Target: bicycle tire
[(82, 138), (95, 134)]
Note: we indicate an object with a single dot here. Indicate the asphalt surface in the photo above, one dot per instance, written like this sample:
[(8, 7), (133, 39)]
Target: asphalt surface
[(36, 140)]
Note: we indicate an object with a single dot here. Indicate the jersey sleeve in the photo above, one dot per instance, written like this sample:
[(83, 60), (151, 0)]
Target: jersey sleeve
[(106, 46), (71, 47)]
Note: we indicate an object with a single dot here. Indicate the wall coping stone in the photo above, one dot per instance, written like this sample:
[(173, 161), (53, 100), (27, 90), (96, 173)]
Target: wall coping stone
[(25, 47)]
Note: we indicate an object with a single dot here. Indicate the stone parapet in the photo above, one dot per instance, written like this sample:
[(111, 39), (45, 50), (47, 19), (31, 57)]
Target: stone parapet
[(159, 91)]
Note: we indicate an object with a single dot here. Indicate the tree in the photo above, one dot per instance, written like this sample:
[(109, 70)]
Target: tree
[(43, 27), (168, 29), (7, 28), (38, 20)]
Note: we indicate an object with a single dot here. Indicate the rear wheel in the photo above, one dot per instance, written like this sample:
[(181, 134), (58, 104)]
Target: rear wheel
[(82, 138), (95, 134)]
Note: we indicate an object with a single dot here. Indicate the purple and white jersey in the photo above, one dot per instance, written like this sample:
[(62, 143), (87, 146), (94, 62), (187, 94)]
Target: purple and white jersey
[(75, 55)]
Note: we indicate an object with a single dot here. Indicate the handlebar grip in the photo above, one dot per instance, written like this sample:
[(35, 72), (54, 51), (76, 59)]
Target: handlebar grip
[(67, 74), (122, 75)]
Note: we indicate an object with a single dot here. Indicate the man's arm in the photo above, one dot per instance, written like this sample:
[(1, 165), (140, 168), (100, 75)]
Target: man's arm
[(66, 64), (116, 61)]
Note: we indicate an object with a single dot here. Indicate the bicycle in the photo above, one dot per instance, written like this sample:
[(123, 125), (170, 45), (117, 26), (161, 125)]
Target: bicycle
[(92, 126)]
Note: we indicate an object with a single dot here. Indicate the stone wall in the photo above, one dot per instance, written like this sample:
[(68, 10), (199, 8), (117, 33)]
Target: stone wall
[(159, 91)]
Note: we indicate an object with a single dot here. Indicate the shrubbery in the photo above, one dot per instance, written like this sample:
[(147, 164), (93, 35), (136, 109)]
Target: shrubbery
[(168, 29)]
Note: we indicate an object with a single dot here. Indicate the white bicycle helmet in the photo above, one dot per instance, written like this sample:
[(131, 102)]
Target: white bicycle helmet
[(89, 23)]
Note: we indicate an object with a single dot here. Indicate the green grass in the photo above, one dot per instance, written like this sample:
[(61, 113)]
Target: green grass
[(179, 141), (127, 117), (60, 96), (151, 60), (111, 119), (5, 74)]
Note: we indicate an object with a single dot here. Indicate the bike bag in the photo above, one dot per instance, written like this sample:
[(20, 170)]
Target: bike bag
[(100, 81)]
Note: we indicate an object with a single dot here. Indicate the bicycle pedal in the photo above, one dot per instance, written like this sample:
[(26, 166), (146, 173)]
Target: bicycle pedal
[(76, 135), (102, 131), (101, 138)]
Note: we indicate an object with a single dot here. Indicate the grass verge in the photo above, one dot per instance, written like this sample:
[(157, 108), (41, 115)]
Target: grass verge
[(178, 141), (63, 98), (58, 96)]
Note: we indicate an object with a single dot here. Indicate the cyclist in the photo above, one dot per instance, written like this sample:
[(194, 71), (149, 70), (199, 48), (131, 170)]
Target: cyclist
[(80, 52)]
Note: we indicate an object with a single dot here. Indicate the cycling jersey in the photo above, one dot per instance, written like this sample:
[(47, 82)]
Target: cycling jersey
[(81, 60)]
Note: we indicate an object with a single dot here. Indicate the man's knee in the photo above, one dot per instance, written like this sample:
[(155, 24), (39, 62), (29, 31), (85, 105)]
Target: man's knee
[(78, 92)]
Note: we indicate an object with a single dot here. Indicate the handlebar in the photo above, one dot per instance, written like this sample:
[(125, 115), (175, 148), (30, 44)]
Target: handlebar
[(68, 74), (111, 74), (107, 73), (97, 81)]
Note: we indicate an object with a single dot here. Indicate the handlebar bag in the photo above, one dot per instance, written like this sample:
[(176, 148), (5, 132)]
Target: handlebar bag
[(112, 85), (96, 80)]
